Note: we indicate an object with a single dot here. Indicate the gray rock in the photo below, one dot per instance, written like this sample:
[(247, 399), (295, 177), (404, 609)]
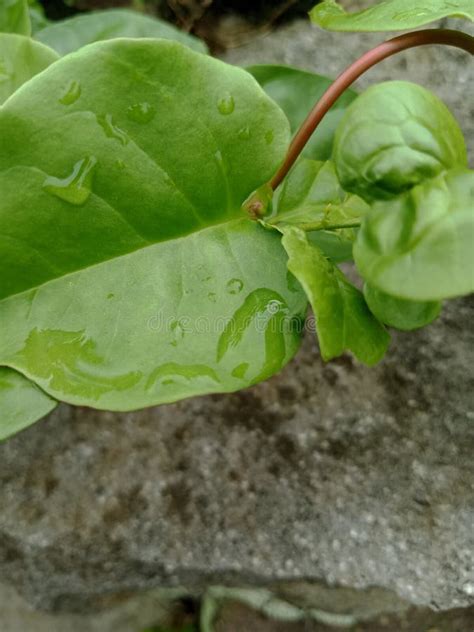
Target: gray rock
[(336, 473)]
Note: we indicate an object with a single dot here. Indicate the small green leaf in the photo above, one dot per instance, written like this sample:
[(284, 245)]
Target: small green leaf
[(134, 278), (419, 246), (21, 58), (296, 92), (73, 33), (312, 198), (14, 17), (395, 135), (400, 313), (343, 320), (391, 15), (21, 403)]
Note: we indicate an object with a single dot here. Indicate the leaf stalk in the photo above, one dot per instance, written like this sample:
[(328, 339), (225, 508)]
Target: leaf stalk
[(425, 37)]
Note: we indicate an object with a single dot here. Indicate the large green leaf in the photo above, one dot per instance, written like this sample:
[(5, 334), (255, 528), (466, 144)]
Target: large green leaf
[(21, 58), (398, 312), (14, 17), (419, 246), (343, 320), (391, 15), (73, 33), (21, 403), (296, 91), (312, 196), (134, 277), (394, 136)]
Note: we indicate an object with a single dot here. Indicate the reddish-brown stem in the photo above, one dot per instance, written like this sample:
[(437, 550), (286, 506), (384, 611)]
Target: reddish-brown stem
[(354, 71)]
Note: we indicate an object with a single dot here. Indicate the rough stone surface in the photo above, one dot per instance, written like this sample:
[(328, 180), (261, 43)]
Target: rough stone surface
[(357, 477)]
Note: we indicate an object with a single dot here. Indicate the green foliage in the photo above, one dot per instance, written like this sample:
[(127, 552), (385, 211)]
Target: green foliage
[(400, 313), (22, 403), (37, 16), (134, 279), (296, 91), (14, 17), (419, 246), (73, 33), (343, 320), (129, 173), (391, 15), (312, 197), (394, 136), (21, 58)]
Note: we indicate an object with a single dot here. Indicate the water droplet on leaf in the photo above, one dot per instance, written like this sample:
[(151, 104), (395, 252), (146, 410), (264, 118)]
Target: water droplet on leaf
[(76, 187), (172, 373), (244, 133), (269, 137), (71, 94), (267, 312), (178, 332), (141, 112), (234, 286), (226, 105), (212, 296), (407, 15), (110, 129), (240, 370)]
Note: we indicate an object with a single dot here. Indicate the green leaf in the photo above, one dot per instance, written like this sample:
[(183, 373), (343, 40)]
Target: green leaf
[(419, 246), (73, 33), (21, 59), (21, 403), (14, 17), (134, 277), (343, 320), (395, 135), (296, 92), (400, 313), (311, 196), (37, 16), (391, 15)]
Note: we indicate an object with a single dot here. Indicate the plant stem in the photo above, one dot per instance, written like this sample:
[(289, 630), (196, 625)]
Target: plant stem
[(322, 225), (354, 71)]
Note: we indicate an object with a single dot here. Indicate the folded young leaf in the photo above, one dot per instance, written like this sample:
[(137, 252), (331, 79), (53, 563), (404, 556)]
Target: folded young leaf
[(21, 59), (68, 35), (312, 195), (343, 320), (134, 278), (296, 91), (395, 135), (21, 403), (400, 313), (390, 15), (14, 17), (419, 246)]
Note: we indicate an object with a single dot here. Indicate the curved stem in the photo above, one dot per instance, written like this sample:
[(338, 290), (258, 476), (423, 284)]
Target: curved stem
[(354, 71)]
